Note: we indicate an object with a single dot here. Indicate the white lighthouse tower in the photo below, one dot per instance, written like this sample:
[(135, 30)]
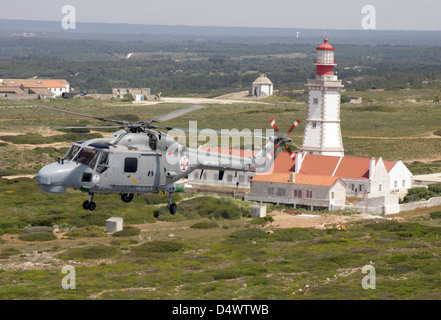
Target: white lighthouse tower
[(322, 129)]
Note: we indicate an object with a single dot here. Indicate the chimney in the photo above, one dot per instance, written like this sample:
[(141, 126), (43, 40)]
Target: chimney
[(371, 167), (298, 162), (292, 177)]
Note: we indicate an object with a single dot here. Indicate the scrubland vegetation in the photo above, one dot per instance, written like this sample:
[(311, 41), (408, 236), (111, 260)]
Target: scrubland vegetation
[(209, 250)]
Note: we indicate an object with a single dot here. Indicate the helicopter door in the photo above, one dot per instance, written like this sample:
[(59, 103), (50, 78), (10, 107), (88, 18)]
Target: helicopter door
[(149, 169), (136, 170)]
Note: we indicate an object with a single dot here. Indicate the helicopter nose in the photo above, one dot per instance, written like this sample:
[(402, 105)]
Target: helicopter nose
[(54, 177)]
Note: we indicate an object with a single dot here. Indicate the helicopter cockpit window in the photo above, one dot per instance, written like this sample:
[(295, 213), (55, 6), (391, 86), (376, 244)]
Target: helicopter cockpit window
[(103, 162), (71, 152), (85, 156)]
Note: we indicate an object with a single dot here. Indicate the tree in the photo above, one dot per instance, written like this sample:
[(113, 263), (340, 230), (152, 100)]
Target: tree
[(128, 97)]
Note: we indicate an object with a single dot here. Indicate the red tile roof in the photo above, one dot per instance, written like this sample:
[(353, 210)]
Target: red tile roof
[(345, 167), (353, 168), (319, 165), (283, 163)]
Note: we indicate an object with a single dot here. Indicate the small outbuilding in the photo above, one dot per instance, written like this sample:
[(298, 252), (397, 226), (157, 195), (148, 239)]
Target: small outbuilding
[(262, 86), (114, 224)]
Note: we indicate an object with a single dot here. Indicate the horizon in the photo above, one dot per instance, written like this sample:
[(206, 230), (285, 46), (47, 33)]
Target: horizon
[(229, 26), (393, 15)]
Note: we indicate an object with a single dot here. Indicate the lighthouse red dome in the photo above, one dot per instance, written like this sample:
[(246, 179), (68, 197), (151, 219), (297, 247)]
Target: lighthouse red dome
[(325, 46)]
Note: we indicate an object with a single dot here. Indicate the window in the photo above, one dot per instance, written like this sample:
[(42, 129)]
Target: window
[(332, 195), (270, 191), (314, 125), (309, 194), (315, 100), (297, 193), (281, 192), (404, 183), (360, 187), (86, 155), (230, 177), (395, 184), (130, 165), (241, 179), (379, 187), (72, 152), (103, 162)]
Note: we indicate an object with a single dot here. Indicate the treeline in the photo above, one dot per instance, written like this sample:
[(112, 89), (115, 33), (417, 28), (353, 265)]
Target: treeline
[(209, 67)]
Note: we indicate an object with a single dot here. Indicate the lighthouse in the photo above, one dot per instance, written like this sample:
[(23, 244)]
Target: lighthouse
[(322, 129)]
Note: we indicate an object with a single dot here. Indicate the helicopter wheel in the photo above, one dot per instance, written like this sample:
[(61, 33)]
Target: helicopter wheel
[(127, 197), (173, 208), (89, 205), (92, 206)]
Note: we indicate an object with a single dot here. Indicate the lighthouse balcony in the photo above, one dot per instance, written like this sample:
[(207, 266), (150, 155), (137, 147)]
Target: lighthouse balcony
[(332, 62)]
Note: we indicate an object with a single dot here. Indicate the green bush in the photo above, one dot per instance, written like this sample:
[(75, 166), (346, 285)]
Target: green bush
[(226, 274), (10, 231), (252, 233), (88, 232), (296, 234), (416, 194), (159, 246), (12, 224), (91, 252), (43, 236), (435, 215), (123, 242), (128, 231), (205, 225), (435, 188), (262, 220)]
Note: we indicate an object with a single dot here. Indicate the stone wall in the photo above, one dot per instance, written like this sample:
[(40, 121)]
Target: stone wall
[(432, 202)]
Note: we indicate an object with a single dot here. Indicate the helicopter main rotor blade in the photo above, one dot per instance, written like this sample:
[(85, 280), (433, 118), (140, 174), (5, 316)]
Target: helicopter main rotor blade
[(91, 127), (177, 113), (70, 112)]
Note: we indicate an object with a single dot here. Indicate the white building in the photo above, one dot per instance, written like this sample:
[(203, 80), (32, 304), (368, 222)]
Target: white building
[(262, 86), (322, 129)]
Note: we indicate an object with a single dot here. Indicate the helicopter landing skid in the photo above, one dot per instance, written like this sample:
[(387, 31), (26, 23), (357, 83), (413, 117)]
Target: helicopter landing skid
[(89, 204)]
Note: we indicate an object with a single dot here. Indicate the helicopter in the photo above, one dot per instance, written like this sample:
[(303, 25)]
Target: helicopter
[(139, 158)]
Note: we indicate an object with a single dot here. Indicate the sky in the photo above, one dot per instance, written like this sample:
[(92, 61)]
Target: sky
[(309, 14)]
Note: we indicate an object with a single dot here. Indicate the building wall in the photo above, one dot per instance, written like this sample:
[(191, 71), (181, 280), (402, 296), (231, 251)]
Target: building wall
[(322, 133), (229, 179), (118, 93), (380, 181), (400, 178), (262, 89), (357, 187), (312, 196), (58, 91)]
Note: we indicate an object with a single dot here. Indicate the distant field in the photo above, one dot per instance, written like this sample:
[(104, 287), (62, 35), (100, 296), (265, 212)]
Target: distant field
[(393, 124)]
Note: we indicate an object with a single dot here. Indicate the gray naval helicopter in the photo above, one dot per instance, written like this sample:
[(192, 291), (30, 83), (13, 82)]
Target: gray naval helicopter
[(139, 159)]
